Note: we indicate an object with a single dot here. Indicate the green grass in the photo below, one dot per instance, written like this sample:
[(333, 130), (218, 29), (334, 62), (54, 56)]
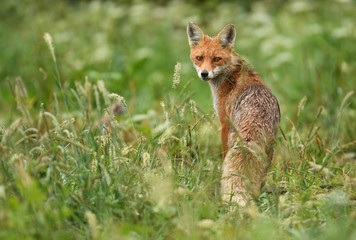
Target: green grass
[(154, 173)]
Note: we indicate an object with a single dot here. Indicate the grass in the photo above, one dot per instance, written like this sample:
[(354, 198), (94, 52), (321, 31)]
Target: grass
[(154, 171)]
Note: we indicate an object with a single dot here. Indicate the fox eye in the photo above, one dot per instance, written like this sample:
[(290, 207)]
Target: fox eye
[(199, 58), (217, 59)]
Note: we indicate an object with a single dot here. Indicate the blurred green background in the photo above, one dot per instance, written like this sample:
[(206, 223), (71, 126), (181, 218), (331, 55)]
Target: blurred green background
[(300, 48)]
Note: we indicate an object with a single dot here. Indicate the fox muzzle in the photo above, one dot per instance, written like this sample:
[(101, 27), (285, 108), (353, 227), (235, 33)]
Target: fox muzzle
[(204, 74)]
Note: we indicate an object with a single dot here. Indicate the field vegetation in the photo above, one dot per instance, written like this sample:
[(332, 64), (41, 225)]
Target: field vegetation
[(72, 167)]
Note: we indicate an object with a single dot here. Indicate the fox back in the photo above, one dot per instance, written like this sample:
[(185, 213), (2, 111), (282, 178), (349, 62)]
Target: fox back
[(248, 111)]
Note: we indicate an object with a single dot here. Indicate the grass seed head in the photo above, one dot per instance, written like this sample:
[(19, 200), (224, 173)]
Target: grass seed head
[(48, 39), (176, 75), (117, 98), (146, 159), (93, 223), (101, 87), (126, 150), (193, 107), (301, 105)]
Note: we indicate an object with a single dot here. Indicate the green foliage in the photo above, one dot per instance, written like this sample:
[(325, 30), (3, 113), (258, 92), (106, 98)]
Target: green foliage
[(72, 167)]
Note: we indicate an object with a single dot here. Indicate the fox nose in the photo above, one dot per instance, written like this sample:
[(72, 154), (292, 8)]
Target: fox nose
[(204, 73)]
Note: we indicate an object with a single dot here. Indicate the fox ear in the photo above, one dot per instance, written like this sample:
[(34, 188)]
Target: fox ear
[(195, 34), (227, 36)]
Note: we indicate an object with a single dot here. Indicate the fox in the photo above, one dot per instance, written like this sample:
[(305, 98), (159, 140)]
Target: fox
[(248, 112)]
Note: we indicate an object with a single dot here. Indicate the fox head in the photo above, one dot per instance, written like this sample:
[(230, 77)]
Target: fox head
[(211, 56)]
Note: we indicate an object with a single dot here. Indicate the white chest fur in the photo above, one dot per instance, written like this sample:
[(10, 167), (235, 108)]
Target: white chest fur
[(214, 86)]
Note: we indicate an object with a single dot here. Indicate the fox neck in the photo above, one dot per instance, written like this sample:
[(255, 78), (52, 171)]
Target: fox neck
[(214, 86), (226, 82)]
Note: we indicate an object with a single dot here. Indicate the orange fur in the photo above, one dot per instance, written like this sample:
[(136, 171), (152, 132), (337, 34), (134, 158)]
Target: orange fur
[(248, 112)]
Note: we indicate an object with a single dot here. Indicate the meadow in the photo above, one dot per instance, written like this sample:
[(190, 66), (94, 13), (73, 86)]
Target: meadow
[(72, 168)]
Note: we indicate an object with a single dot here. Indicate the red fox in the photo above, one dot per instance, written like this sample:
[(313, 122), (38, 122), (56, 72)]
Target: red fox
[(248, 111)]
